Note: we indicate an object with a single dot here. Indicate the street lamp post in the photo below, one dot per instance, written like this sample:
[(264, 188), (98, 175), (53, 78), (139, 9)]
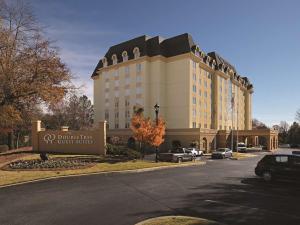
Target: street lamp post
[(156, 109)]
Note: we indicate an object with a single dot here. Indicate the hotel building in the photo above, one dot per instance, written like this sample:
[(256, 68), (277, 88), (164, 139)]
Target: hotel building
[(201, 95)]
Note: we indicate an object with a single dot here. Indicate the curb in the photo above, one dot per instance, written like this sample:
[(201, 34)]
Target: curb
[(198, 219), (104, 172)]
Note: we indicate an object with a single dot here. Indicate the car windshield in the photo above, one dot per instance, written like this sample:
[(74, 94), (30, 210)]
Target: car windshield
[(241, 145), (221, 150)]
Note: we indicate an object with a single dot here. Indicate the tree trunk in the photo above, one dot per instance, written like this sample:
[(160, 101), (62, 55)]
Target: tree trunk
[(10, 140), (142, 150)]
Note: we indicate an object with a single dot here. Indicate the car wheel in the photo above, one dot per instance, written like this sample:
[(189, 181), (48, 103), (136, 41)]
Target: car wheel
[(267, 176), (179, 160)]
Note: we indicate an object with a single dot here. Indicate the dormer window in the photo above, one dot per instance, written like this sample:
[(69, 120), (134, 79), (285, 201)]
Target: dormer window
[(104, 62), (114, 59), (125, 56), (136, 52)]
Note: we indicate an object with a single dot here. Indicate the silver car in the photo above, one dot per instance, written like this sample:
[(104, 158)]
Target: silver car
[(221, 153)]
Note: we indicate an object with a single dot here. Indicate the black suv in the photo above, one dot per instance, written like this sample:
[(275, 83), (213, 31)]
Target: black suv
[(279, 166)]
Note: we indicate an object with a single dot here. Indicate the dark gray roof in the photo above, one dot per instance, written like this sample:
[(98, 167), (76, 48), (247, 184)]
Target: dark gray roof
[(153, 46), (221, 60), (150, 46)]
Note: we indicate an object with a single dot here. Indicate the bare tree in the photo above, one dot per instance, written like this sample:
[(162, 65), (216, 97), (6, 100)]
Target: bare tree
[(256, 124), (31, 71), (298, 116)]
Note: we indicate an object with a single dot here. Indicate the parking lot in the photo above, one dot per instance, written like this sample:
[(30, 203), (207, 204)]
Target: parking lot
[(223, 190)]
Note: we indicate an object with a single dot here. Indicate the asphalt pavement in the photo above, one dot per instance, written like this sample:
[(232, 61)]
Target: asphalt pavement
[(223, 190)]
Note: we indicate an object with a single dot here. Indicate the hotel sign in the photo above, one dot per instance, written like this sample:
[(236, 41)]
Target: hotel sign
[(68, 139), (91, 142)]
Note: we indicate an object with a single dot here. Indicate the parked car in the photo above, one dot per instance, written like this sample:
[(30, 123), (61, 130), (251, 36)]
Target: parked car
[(279, 167), (221, 153), (195, 151), (176, 155), (294, 146), (241, 147)]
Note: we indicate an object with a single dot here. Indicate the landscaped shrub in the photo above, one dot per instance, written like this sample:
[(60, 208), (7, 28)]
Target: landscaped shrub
[(194, 144), (117, 150), (133, 154), (176, 144), (3, 148)]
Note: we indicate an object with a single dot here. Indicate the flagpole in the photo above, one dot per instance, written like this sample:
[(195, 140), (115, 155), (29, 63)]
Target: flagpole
[(237, 122), (232, 107)]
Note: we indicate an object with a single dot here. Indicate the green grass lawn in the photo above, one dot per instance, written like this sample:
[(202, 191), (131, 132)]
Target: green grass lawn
[(17, 176)]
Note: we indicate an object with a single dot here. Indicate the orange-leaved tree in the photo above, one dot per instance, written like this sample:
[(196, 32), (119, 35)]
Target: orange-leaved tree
[(141, 128), (156, 137), (147, 132)]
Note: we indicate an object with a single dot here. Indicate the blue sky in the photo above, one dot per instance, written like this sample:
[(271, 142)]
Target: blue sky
[(261, 38)]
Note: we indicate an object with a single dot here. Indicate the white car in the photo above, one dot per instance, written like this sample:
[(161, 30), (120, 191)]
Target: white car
[(195, 151)]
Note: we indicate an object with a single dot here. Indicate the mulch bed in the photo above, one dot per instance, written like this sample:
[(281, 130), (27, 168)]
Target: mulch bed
[(55, 164)]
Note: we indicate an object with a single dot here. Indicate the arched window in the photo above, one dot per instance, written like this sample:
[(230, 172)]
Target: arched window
[(136, 52), (124, 56), (114, 59), (104, 62)]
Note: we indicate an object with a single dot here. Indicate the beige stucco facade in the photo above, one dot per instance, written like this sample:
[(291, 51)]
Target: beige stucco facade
[(196, 93), (190, 93)]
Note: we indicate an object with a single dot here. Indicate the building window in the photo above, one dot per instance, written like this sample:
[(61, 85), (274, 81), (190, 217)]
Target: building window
[(104, 62), (116, 102), (138, 79), (205, 94), (138, 68), (194, 65), (194, 88), (205, 83), (199, 92), (194, 124), (116, 125), (116, 74), (194, 113), (194, 77), (127, 92), (139, 90), (114, 59), (194, 100), (107, 85), (127, 125), (127, 80), (125, 56), (127, 114), (200, 81), (106, 115), (138, 101), (116, 115), (205, 125), (136, 52)]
